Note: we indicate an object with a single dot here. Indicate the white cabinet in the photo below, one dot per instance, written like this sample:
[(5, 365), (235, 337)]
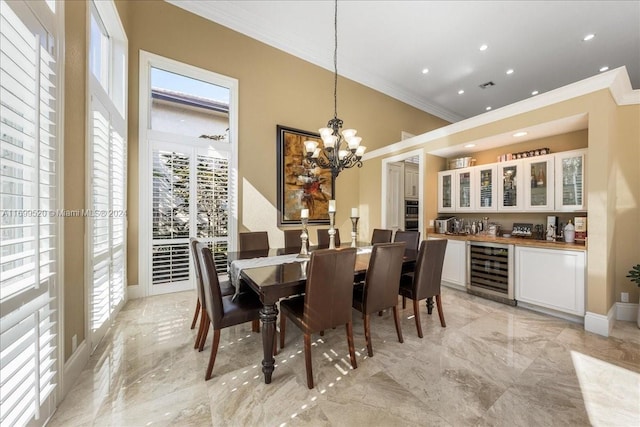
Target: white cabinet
[(484, 188), (539, 183), (549, 183), (411, 181), (570, 180), (446, 191), (551, 278), (464, 186), (510, 186), (454, 268)]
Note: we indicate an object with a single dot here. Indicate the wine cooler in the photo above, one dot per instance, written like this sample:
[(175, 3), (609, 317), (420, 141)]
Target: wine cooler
[(490, 272)]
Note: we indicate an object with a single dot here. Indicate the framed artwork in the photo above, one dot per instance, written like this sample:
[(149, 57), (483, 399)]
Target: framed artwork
[(301, 186)]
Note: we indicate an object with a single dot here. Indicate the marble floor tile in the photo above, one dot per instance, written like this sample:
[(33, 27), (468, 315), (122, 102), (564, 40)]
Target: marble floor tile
[(492, 365)]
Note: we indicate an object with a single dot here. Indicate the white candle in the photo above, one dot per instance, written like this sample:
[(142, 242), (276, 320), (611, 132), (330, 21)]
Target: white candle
[(354, 212), (332, 205), (304, 213)]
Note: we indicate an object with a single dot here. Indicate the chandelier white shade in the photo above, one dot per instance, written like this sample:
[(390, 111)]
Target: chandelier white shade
[(341, 150)]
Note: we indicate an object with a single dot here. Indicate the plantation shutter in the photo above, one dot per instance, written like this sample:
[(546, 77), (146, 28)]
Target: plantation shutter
[(29, 226), (171, 204), (213, 205), (108, 222)]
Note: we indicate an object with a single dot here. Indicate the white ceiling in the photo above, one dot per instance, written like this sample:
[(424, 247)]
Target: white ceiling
[(386, 44)]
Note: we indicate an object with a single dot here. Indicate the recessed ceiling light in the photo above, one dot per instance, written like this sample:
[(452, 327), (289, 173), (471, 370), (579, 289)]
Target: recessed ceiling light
[(518, 134), (510, 71), (535, 92), (469, 145), (588, 37), (488, 108), (605, 68), (483, 47), (425, 70), (460, 92)]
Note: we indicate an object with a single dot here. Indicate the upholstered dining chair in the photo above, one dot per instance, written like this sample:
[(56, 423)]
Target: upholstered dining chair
[(323, 238), (424, 281), (411, 238), (226, 288), (254, 241), (326, 302), (292, 239), (381, 285), (381, 236), (223, 311)]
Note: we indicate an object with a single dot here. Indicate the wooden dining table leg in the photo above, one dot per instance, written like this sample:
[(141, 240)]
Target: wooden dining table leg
[(429, 305), (268, 316)]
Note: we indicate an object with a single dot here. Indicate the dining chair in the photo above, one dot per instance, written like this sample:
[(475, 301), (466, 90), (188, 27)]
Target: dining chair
[(326, 303), (411, 238), (323, 238), (223, 311), (292, 239), (254, 241), (381, 236), (425, 280), (381, 286), (226, 288)]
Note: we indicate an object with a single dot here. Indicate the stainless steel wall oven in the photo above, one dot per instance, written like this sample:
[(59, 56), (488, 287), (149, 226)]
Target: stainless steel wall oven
[(411, 208)]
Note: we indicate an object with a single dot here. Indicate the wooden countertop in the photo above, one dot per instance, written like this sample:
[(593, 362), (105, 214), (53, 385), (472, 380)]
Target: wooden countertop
[(519, 241)]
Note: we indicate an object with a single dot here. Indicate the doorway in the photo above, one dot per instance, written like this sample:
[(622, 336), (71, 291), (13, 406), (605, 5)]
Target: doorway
[(402, 190)]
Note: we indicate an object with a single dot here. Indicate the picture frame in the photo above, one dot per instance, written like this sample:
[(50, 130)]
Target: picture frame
[(301, 186)]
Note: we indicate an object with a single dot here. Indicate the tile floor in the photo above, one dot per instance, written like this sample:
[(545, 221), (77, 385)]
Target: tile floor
[(492, 365)]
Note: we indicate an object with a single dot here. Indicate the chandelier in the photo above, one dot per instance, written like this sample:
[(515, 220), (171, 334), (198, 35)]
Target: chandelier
[(342, 150)]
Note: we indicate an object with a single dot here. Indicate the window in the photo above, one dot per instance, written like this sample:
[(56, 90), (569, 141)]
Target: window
[(107, 163), (187, 158), (29, 188)]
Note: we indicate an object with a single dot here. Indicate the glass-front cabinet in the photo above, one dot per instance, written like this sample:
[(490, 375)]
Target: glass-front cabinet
[(510, 182), (464, 193), (570, 180), (539, 183), (446, 191), (485, 189)]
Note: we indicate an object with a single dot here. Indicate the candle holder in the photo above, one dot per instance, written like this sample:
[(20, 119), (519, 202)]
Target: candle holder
[(354, 230), (304, 237), (332, 230)]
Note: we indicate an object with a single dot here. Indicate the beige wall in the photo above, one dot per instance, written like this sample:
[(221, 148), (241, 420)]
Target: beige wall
[(275, 88), (612, 177), (74, 171), (627, 176)]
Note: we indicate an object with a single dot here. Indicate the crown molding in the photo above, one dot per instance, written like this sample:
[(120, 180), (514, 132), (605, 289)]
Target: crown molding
[(617, 81)]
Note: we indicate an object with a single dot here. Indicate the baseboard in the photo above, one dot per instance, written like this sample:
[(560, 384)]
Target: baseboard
[(626, 311), (135, 291), (600, 324), (74, 367), (551, 312), (455, 286)]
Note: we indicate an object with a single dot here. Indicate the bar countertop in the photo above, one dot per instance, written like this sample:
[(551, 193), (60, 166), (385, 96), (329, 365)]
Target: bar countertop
[(518, 241)]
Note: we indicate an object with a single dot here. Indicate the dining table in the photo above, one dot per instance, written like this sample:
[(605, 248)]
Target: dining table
[(278, 273)]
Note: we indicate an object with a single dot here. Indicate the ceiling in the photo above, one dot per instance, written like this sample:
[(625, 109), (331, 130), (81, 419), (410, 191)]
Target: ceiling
[(386, 44)]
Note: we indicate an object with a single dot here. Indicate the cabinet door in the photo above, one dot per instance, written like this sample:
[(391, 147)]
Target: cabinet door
[(485, 191), (446, 191), (539, 183), (560, 285), (570, 181), (411, 182), (454, 267), (510, 182), (464, 193)]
